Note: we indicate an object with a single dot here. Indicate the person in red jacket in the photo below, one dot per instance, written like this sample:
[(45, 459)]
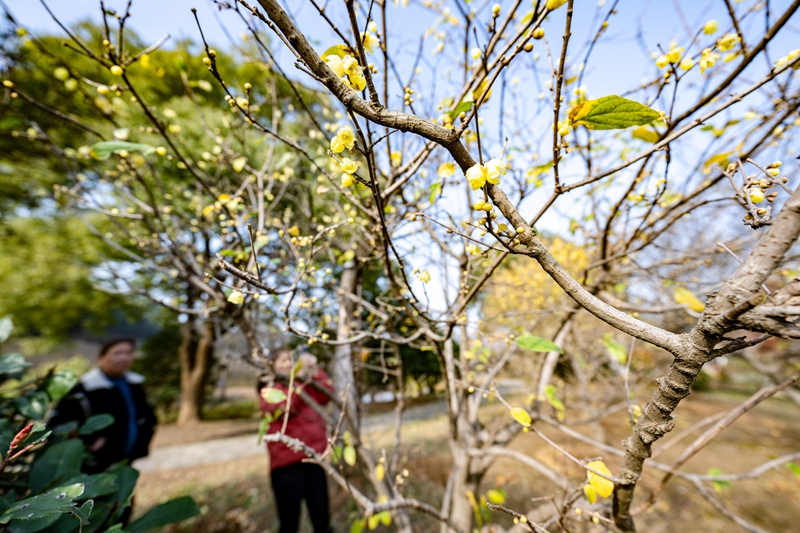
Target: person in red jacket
[(294, 480)]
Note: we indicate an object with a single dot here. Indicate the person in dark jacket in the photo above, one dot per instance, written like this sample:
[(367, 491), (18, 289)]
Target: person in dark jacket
[(294, 480), (110, 388)]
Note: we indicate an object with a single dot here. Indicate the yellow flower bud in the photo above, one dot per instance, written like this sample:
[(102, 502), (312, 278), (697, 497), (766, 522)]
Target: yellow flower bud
[(710, 27), (116, 70), (756, 196)]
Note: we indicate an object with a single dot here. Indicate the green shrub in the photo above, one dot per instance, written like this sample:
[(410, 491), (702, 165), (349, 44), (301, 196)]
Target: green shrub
[(42, 487)]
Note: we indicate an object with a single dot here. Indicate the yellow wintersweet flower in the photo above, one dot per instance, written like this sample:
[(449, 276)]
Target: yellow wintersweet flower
[(687, 64), (707, 59), (473, 249), (346, 81), (675, 53), (335, 64), (397, 158), (662, 61), (424, 276), (358, 82), (344, 138), (348, 165), (347, 180), (446, 170), (350, 66), (475, 53), (494, 169), (727, 42), (369, 41), (710, 27), (476, 175), (236, 297), (555, 4)]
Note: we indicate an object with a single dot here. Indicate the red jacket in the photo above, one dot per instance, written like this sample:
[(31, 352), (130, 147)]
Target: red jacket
[(304, 423)]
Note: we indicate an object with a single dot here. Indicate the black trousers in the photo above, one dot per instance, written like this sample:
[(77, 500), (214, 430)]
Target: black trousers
[(294, 483)]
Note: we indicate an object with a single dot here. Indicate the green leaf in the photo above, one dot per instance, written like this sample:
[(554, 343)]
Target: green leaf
[(611, 113), (126, 481), (645, 134), (350, 455), (273, 395), (103, 150), (262, 428), (373, 521), (38, 524), (463, 107), (521, 415), (496, 497), (357, 527), (6, 327), (718, 159), (60, 383), (537, 344), (33, 406), (95, 423), (60, 461), (170, 512), (59, 500), (794, 468), (718, 485), (13, 364), (337, 50), (436, 190), (550, 392), (95, 485), (614, 348)]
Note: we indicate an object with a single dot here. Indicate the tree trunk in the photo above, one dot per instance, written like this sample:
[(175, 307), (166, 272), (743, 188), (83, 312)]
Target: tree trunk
[(195, 359), (465, 475), (463, 480), (343, 375)]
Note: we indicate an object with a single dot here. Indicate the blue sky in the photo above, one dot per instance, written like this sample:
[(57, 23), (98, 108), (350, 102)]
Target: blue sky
[(619, 63)]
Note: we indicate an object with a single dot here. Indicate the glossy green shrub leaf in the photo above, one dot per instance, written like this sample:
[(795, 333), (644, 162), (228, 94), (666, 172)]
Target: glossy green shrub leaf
[(170, 512), (6, 327), (60, 383), (13, 364), (59, 500), (61, 461), (33, 406), (95, 423)]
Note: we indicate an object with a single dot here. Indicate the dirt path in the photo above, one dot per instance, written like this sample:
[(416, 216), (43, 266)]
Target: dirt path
[(230, 440)]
